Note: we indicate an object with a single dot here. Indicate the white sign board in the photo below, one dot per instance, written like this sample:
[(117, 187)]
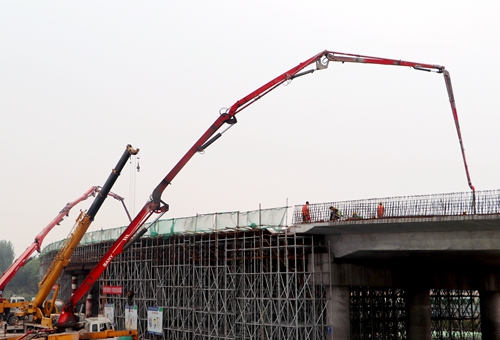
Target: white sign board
[(155, 320), (109, 312), (130, 317)]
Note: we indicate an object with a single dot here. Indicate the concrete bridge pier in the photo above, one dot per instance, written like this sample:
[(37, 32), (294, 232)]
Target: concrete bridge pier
[(489, 303), (419, 314), (338, 313)]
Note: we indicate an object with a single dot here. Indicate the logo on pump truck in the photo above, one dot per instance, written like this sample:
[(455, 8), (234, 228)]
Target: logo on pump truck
[(110, 257), (108, 260)]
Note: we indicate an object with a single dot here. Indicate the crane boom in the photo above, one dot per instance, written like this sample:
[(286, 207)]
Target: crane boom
[(82, 223), (68, 319)]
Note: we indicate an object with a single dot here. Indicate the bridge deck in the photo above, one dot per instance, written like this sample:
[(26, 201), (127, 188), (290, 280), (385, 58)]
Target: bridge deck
[(451, 229), (403, 225)]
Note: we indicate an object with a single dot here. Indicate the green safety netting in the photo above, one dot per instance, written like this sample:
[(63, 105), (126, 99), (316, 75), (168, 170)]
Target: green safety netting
[(273, 219)]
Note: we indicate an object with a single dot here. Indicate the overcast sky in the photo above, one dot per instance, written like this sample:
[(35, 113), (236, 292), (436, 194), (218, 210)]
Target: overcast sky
[(80, 80)]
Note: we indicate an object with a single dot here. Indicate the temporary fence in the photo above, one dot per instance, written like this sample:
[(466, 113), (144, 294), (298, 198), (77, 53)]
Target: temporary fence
[(273, 219), (449, 204)]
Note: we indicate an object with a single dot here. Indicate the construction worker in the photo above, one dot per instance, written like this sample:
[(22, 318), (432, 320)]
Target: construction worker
[(334, 214), (380, 210), (355, 215), (306, 217)]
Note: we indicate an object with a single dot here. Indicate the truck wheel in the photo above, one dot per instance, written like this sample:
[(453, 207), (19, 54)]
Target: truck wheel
[(13, 320)]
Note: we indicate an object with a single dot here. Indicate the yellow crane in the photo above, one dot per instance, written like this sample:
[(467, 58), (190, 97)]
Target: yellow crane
[(39, 310)]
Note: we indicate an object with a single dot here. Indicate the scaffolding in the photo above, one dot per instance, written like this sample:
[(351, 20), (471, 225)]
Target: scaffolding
[(232, 285), (455, 314), (248, 282), (381, 313), (378, 313)]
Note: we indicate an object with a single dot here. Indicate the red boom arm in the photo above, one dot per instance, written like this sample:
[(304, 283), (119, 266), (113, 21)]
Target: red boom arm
[(36, 245), (67, 319)]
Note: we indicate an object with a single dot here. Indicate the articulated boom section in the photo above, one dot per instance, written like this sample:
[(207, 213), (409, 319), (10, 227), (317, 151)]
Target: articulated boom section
[(351, 58), (37, 243), (321, 60)]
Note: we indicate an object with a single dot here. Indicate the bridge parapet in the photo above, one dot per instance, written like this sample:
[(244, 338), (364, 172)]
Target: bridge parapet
[(448, 204)]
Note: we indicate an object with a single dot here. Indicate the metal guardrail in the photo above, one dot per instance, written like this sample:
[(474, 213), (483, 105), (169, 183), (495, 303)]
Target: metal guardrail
[(460, 203)]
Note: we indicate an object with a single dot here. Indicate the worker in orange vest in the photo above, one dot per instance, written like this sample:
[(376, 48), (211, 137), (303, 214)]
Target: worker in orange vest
[(380, 210), (306, 217)]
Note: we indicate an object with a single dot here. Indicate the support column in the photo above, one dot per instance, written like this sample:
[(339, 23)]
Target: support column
[(338, 313), (489, 302), (419, 314)]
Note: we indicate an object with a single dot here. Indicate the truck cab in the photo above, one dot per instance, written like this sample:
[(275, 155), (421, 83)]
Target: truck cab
[(8, 309), (101, 327), (14, 299), (97, 324), (9, 314)]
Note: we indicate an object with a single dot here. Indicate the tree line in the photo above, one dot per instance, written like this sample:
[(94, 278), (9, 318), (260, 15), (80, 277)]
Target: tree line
[(25, 282)]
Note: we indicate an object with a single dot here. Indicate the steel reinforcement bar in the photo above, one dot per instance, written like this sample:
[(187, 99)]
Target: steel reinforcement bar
[(450, 204)]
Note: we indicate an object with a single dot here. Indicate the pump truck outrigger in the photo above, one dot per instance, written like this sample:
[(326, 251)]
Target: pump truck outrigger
[(67, 317)]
